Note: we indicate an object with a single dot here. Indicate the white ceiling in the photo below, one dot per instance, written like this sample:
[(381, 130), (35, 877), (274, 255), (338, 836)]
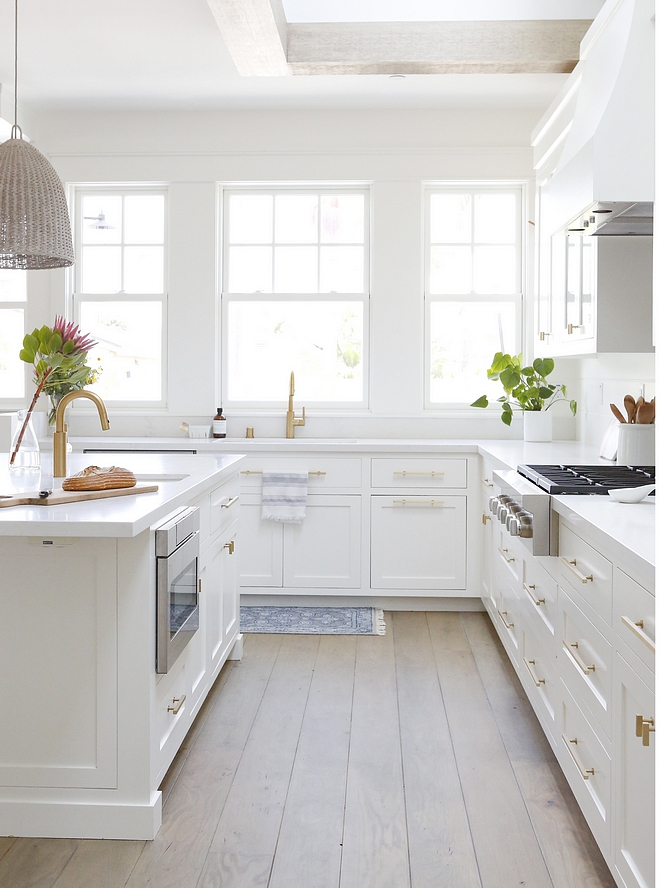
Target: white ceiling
[(91, 54)]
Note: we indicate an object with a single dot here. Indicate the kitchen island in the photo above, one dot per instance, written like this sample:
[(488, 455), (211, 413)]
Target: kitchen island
[(89, 729)]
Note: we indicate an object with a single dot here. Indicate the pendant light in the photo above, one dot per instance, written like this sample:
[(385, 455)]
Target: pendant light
[(35, 231)]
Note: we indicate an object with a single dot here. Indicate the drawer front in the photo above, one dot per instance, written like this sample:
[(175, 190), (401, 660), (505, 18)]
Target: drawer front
[(539, 677), (539, 598), (508, 556), (323, 472), (588, 769), (508, 619), (172, 715), (634, 617), (586, 662), (224, 505), (589, 572), (413, 472)]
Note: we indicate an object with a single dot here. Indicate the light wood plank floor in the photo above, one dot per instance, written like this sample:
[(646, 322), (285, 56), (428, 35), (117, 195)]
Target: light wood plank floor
[(411, 760)]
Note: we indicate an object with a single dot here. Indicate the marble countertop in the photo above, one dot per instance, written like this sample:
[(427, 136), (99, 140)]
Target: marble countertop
[(124, 516)]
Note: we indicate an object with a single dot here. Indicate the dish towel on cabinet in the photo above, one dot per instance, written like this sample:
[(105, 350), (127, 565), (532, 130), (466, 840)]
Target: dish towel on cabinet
[(284, 496)]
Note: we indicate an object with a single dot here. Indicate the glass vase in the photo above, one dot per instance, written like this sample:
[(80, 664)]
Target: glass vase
[(24, 453)]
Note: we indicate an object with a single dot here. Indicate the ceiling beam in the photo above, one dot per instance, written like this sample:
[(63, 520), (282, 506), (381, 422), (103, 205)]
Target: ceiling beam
[(449, 47), (255, 32)]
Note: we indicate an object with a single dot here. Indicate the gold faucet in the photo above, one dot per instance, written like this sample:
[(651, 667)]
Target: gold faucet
[(60, 436), (291, 421)]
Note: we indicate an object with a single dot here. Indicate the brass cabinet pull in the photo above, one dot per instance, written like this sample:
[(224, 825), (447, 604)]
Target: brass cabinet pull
[(537, 601), (486, 482), (637, 629), (572, 328), (572, 566), (502, 553), (406, 472), (643, 728), (537, 681), (503, 616), (231, 545), (485, 518), (178, 703), (230, 502), (578, 764), (419, 502), (577, 658), (543, 335)]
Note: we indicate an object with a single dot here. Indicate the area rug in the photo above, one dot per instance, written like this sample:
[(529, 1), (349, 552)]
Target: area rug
[(313, 620)]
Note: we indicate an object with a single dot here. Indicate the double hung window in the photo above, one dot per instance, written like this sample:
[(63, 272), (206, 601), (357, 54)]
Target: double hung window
[(13, 299), (120, 289), (473, 288), (295, 295)]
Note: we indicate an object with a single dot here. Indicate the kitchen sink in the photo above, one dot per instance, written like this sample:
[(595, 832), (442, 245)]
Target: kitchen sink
[(159, 476)]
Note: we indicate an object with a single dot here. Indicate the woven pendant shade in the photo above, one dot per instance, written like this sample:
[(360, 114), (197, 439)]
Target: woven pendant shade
[(35, 231)]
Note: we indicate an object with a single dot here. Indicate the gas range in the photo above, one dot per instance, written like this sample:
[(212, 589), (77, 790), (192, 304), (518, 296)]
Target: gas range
[(587, 480)]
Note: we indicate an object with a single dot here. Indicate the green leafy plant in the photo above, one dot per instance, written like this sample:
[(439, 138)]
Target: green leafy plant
[(524, 387)]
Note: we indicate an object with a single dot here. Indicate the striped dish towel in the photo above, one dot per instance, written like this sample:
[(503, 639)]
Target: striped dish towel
[(284, 496)]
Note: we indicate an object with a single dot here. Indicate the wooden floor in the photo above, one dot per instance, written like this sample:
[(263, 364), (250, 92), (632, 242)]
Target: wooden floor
[(411, 760)]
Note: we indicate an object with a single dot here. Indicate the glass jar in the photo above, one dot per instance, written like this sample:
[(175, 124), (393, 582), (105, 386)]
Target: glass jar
[(24, 446)]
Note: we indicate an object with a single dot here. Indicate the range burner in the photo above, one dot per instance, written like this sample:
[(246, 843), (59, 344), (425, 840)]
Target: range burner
[(587, 480)]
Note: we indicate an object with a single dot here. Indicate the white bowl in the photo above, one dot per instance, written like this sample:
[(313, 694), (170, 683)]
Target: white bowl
[(631, 494)]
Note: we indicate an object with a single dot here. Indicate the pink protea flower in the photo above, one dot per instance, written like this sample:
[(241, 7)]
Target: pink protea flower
[(70, 331)]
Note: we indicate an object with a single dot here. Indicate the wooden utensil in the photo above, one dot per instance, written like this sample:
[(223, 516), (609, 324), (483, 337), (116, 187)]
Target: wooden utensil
[(645, 413), (615, 410), (639, 403), (629, 404)]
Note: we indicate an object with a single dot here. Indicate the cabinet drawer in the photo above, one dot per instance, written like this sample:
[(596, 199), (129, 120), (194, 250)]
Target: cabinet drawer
[(224, 505), (508, 619), (588, 769), (507, 557), (412, 472), (323, 472), (539, 677), (539, 597), (634, 617), (172, 715), (587, 571), (586, 662)]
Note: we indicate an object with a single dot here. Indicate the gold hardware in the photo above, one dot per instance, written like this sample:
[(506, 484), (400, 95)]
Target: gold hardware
[(577, 658), (637, 629), (537, 601), (291, 420), (231, 545), (485, 518), (405, 502), (178, 703), (572, 328), (643, 728), (543, 336), (503, 615), (578, 764), (199, 586), (230, 502), (60, 434), (572, 566), (537, 681), (260, 472), (486, 482), (502, 553), (249, 432), (406, 472)]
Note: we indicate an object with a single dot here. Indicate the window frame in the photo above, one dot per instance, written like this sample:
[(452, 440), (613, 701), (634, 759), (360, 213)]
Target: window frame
[(226, 298), (19, 305), (76, 297), (517, 299)]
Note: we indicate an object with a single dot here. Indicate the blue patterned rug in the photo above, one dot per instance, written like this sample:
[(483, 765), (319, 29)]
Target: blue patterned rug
[(313, 620)]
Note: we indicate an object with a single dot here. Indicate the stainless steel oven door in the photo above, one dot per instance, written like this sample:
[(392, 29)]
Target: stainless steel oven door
[(177, 602)]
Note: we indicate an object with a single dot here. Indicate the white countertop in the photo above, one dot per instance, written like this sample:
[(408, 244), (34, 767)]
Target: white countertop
[(124, 516)]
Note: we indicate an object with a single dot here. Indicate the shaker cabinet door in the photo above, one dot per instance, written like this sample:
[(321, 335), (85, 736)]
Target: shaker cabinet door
[(323, 551), (260, 556)]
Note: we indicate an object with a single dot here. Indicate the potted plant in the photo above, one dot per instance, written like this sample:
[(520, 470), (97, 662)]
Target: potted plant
[(528, 389)]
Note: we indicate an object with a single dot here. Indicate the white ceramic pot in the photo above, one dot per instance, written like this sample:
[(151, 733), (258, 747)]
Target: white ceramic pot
[(636, 445), (537, 425)]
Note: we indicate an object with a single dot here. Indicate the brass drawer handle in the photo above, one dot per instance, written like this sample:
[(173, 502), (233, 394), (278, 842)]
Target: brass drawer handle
[(230, 502), (537, 601), (537, 681), (178, 703), (572, 566), (637, 629), (486, 482), (502, 553), (407, 502), (485, 518), (503, 616), (406, 472), (577, 658), (578, 764), (643, 728), (231, 545)]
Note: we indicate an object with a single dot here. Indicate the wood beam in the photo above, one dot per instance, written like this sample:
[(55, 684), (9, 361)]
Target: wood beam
[(255, 32), (466, 47)]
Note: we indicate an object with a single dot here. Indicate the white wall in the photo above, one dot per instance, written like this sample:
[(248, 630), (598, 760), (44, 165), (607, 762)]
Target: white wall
[(396, 151)]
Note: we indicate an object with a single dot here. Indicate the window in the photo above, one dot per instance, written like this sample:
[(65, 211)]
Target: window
[(120, 296), (13, 297), (295, 295), (473, 287)]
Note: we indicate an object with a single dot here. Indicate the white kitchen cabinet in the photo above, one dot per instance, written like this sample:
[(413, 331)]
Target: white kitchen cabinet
[(219, 579), (261, 557)]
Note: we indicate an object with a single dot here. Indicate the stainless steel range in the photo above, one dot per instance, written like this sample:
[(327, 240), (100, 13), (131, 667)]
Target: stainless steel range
[(524, 506)]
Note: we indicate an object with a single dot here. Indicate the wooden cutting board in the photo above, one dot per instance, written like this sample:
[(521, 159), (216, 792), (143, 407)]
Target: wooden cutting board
[(59, 497)]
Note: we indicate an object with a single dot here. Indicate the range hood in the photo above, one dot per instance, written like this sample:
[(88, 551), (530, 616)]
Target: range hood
[(603, 180)]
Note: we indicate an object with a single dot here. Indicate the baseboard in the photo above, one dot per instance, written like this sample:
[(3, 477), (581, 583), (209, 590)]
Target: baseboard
[(394, 603)]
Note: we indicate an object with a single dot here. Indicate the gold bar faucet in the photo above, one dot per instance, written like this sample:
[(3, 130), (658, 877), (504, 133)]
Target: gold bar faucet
[(291, 420), (60, 435)]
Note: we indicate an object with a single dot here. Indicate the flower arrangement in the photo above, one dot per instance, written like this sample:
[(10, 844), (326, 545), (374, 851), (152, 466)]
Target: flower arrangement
[(59, 357), (524, 387)]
